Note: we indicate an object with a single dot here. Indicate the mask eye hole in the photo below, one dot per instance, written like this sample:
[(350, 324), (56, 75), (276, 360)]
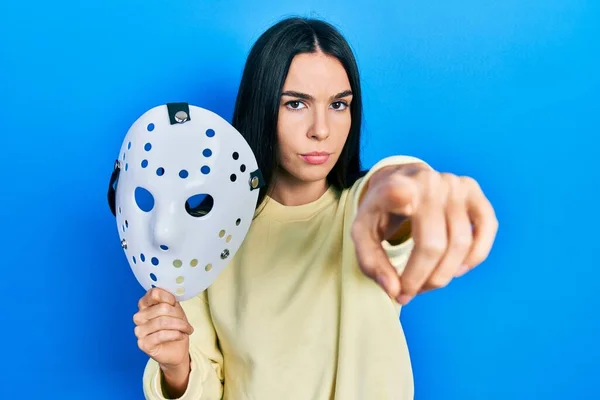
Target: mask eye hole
[(144, 199), (199, 205)]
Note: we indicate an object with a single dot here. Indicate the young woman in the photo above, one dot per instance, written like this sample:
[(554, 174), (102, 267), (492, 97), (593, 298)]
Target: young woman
[(309, 307)]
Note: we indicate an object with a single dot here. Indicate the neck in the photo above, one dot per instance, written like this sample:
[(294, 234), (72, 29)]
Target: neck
[(290, 191)]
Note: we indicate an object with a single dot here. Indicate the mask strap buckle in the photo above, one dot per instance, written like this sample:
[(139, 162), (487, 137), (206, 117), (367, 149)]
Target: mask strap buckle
[(179, 113), (256, 180)]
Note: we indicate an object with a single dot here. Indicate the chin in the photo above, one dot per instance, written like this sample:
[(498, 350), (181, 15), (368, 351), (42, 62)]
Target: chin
[(314, 173)]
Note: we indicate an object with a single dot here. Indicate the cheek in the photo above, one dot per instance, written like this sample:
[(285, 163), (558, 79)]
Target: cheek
[(341, 125), (289, 134)]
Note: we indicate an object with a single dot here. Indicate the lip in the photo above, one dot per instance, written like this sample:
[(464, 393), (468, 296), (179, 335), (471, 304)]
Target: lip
[(316, 157)]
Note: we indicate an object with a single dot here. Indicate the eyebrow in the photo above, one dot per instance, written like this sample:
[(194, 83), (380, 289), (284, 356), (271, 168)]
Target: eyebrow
[(300, 95)]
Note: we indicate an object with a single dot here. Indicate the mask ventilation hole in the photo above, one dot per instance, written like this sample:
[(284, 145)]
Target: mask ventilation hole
[(163, 247), (210, 133), (177, 263), (222, 233), (183, 174), (180, 279), (207, 153), (154, 261), (199, 205), (144, 163), (208, 267), (242, 168), (228, 239), (194, 263), (238, 222), (143, 257), (153, 277), (160, 171), (144, 199), (233, 178), (180, 291), (150, 127), (235, 155), (205, 170), (134, 260)]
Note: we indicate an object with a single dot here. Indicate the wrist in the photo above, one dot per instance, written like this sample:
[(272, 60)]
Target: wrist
[(173, 371), (176, 377)]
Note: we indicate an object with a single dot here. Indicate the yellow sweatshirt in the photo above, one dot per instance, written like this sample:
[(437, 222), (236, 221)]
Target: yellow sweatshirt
[(292, 317)]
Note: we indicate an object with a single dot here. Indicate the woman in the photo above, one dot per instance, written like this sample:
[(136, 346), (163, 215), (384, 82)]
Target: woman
[(309, 306)]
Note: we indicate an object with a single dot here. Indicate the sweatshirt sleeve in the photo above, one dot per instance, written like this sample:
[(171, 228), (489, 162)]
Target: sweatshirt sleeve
[(206, 376), (397, 251)]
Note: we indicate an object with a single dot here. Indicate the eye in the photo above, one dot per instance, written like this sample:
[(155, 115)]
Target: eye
[(295, 105), (199, 205), (339, 105), (144, 199)]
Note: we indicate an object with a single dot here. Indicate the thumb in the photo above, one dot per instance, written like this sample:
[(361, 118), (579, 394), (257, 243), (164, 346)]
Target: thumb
[(400, 195), (374, 262)]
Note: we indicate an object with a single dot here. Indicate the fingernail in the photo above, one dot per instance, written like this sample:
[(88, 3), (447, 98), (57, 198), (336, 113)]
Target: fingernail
[(404, 299), (461, 270)]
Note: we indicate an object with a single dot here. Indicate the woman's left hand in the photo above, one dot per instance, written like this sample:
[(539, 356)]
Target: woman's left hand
[(451, 221)]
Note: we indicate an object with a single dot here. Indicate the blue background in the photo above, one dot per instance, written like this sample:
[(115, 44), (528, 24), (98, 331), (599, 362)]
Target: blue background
[(504, 91)]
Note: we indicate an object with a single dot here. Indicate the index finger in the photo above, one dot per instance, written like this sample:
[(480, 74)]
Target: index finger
[(155, 296)]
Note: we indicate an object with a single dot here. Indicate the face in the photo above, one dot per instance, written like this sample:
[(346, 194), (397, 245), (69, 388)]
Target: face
[(314, 117)]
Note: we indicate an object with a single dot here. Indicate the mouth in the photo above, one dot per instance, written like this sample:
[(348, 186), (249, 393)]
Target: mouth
[(316, 157)]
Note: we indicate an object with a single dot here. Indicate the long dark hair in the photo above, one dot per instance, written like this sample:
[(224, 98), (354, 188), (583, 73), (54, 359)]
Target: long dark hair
[(257, 105)]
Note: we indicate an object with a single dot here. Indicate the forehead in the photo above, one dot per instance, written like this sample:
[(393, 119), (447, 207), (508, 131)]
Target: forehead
[(317, 73)]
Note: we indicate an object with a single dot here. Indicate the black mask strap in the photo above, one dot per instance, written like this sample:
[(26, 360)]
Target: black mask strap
[(112, 187)]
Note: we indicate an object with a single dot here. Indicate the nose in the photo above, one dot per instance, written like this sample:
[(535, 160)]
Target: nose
[(320, 127), (166, 233)]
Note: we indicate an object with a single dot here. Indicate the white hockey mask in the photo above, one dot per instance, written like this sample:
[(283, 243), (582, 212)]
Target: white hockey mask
[(184, 191)]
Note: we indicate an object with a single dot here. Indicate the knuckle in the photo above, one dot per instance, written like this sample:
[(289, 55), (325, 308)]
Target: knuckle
[(163, 322), (495, 223), (409, 287), (164, 308), (141, 345), (389, 189), (479, 256), (456, 191), (469, 182), (439, 281), (461, 242), (136, 331), (434, 247), (451, 179), (432, 178), (369, 264), (154, 294), (163, 336)]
